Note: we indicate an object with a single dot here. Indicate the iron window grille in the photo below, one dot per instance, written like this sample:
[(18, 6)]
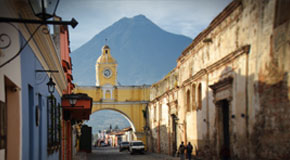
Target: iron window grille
[(53, 124)]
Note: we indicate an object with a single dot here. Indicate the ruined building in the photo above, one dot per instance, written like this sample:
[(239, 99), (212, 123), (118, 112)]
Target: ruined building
[(229, 94)]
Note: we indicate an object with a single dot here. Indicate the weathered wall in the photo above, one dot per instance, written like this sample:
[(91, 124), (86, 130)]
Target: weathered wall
[(270, 134), (163, 98), (243, 44)]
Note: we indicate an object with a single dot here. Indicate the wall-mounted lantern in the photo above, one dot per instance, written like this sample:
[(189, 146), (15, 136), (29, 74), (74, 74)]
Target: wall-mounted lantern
[(174, 117), (44, 9), (76, 107), (51, 86), (72, 100)]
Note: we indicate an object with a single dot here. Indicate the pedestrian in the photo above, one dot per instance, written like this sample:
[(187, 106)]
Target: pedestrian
[(181, 150), (189, 150)]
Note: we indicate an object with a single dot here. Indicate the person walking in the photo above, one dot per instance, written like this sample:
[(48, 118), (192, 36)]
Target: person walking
[(189, 150), (181, 150)]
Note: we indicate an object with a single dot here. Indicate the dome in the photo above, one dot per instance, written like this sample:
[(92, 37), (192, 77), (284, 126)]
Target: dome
[(106, 59), (106, 56), (106, 47)]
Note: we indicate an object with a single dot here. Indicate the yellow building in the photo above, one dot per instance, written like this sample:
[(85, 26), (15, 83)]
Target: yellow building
[(131, 101)]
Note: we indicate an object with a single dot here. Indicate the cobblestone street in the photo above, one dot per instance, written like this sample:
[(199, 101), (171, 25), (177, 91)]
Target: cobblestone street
[(107, 153)]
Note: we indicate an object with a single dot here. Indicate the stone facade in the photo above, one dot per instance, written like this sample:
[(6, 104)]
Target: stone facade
[(229, 93)]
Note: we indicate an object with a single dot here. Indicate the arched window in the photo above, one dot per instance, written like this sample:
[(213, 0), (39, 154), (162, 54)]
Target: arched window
[(155, 113), (108, 94), (160, 111), (193, 88), (188, 100), (199, 100)]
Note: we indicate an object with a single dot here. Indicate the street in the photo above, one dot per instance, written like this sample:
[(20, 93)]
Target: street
[(108, 153)]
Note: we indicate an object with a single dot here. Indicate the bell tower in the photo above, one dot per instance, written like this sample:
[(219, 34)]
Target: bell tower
[(106, 69)]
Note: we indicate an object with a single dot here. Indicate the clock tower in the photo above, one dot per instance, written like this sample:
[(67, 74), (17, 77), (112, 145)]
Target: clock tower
[(106, 69)]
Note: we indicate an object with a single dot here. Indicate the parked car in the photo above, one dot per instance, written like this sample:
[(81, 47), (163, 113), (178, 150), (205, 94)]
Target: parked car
[(103, 144), (124, 146), (136, 146)]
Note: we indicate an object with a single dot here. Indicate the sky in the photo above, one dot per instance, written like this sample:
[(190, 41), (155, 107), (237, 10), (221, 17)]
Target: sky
[(185, 17)]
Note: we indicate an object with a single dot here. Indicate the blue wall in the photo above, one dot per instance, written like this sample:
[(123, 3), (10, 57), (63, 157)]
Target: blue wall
[(34, 92)]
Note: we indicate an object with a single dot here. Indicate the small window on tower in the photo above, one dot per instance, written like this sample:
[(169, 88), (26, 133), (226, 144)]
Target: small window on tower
[(108, 94), (106, 51)]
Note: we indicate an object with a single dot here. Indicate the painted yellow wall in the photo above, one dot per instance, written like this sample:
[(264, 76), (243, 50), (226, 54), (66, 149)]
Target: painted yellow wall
[(103, 80), (120, 94), (106, 61), (127, 100)]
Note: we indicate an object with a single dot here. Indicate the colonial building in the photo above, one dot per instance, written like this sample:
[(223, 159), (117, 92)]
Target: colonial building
[(30, 131), (31, 57), (229, 93), (130, 101)]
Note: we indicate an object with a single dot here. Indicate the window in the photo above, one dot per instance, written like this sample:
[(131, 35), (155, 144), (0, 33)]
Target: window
[(3, 125), (108, 94), (199, 96), (188, 100), (53, 124), (193, 97), (282, 12), (160, 111), (155, 114)]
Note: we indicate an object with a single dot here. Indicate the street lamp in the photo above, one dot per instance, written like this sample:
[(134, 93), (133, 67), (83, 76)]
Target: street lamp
[(51, 86), (72, 100), (44, 9), (174, 117)]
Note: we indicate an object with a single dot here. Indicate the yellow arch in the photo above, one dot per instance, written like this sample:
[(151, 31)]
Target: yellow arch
[(130, 101), (132, 111)]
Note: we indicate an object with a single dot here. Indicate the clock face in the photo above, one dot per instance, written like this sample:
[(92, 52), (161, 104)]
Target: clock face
[(107, 72)]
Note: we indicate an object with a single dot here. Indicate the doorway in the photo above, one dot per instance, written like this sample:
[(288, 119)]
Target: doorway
[(224, 129), (12, 97), (174, 134)]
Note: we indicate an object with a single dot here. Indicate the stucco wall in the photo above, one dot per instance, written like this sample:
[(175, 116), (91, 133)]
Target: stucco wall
[(38, 144), (10, 71)]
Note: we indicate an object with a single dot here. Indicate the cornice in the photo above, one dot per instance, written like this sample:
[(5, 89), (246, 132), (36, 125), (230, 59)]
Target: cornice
[(173, 71), (222, 83), (227, 59), (163, 95), (42, 46), (172, 103), (124, 103), (218, 20), (198, 75)]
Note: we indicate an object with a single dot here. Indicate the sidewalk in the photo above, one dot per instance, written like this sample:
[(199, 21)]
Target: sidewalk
[(167, 157), (80, 156), (162, 156), (84, 156)]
